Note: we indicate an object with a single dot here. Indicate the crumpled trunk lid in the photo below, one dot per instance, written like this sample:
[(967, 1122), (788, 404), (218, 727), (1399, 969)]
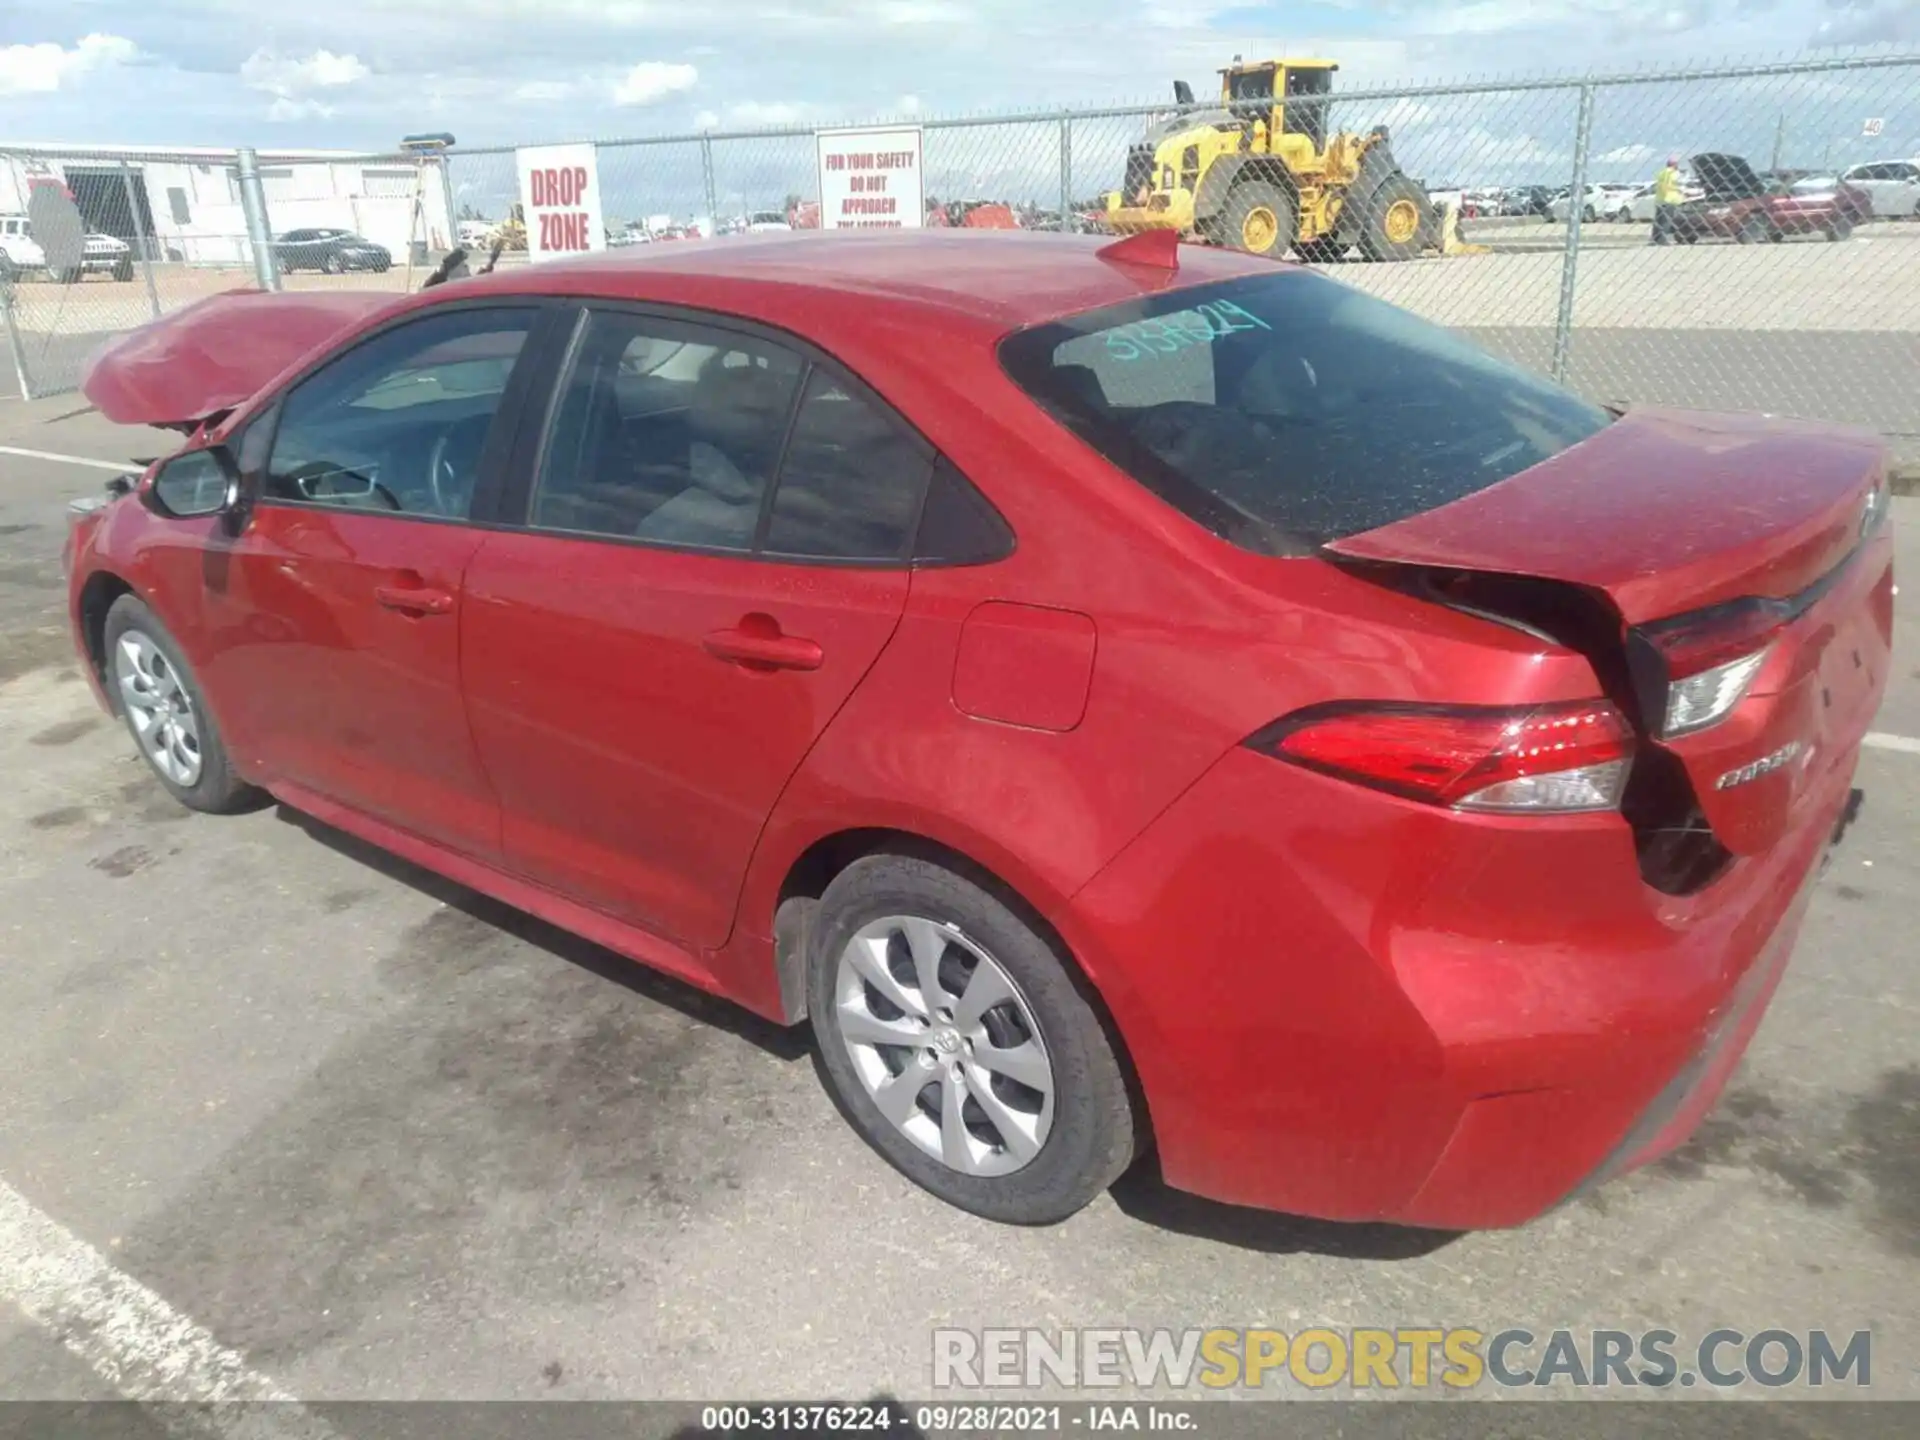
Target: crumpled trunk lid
[(216, 353), (1668, 517)]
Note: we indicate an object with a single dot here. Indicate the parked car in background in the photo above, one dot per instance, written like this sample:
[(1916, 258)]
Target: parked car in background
[(107, 255), (763, 222), (1891, 186), (1560, 208), (21, 254), (330, 251), (1642, 204), (1738, 204), (19, 251), (1527, 200), (1185, 705), (476, 234)]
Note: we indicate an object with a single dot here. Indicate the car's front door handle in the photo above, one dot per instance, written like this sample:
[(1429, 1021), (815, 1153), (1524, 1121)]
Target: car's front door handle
[(763, 647), (409, 600)]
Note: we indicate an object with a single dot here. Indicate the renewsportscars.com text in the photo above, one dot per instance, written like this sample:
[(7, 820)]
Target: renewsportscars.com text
[(1401, 1358)]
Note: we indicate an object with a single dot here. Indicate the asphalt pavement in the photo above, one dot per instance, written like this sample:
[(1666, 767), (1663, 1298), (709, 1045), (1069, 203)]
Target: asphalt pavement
[(289, 1112)]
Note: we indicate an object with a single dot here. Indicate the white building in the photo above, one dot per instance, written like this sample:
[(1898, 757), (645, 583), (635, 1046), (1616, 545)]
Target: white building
[(189, 199)]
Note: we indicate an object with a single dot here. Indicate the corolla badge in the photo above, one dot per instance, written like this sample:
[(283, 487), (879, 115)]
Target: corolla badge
[(1765, 765)]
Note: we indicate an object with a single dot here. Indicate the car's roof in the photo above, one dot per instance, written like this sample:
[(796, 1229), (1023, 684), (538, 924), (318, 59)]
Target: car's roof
[(1004, 279)]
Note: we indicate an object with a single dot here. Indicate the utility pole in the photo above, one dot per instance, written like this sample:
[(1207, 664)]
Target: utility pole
[(1779, 139)]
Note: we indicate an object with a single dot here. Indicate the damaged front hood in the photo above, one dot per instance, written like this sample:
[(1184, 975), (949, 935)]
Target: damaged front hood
[(214, 354)]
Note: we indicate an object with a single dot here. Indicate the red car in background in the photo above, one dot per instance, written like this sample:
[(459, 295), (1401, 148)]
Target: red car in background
[(1739, 204), (1122, 696)]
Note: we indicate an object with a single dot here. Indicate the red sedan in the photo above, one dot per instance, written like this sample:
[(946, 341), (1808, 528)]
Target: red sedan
[(1122, 698), (1738, 204)]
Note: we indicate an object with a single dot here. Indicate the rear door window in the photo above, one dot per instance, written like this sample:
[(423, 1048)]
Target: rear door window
[(851, 482), (1286, 410)]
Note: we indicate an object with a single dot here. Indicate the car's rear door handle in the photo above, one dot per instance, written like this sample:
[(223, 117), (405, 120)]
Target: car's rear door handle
[(409, 600), (764, 647)]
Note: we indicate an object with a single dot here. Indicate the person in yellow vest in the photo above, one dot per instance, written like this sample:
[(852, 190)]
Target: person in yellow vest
[(1667, 195)]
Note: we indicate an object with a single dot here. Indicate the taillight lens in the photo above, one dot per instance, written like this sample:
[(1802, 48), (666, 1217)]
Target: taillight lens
[(1525, 759), (1711, 659)]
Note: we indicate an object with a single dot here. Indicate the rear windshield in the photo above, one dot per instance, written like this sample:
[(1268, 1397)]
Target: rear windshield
[(1284, 411)]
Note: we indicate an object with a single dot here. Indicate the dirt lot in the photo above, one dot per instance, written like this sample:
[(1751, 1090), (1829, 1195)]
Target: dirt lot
[(367, 1135)]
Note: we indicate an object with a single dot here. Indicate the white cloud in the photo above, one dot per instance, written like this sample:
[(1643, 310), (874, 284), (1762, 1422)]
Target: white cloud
[(653, 80), (750, 113), (290, 78), (41, 69), (285, 108), (907, 105), (921, 12), (706, 120), (544, 92), (1627, 155)]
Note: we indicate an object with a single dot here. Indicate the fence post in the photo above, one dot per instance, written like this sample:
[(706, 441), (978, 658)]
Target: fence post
[(1576, 206), (1066, 172), (253, 204), (144, 240), (452, 236), (706, 175), (13, 337)]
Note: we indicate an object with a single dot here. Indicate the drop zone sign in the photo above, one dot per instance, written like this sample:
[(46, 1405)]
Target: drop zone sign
[(560, 196)]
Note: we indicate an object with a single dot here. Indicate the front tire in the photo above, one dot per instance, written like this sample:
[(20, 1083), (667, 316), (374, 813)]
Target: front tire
[(330, 265), (959, 1045), (166, 712), (1396, 221), (1839, 228), (1258, 219)]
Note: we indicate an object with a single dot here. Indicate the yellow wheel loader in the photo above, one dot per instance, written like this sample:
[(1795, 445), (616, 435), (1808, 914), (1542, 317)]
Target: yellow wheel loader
[(1261, 173)]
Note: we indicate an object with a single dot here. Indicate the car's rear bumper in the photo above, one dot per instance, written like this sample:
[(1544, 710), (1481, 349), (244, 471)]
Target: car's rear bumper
[(1347, 1005)]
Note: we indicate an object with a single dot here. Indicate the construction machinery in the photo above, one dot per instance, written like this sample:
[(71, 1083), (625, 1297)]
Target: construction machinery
[(1262, 174)]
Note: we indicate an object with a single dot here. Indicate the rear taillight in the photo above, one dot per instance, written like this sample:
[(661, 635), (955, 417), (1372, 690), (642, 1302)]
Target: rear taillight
[(1523, 759), (1710, 659)]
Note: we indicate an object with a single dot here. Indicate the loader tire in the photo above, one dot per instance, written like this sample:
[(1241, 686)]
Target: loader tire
[(1398, 221), (1258, 218)]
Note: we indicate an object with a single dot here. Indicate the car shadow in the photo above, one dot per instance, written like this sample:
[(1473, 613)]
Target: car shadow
[(782, 1042), (1143, 1195)]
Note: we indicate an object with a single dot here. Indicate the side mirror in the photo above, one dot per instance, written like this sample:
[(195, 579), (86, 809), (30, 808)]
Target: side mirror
[(1182, 93), (200, 482)]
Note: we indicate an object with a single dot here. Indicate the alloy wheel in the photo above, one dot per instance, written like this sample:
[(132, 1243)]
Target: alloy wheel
[(159, 708), (945, 1044)]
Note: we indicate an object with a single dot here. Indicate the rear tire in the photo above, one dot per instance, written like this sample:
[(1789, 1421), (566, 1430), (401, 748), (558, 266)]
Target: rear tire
[(330, 265), (1073, 1125), (166, 712), (1752, 231), (123, 270), (1396, 222)]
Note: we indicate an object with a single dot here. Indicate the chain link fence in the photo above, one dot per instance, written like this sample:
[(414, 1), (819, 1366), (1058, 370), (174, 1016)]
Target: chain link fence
[(1795, 291), (169, 227)]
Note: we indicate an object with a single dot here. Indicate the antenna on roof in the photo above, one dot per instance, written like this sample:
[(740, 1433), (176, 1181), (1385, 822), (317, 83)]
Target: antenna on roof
[(1159, 249)]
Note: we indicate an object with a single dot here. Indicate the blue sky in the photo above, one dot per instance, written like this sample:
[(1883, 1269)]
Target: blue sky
[(360, 73)]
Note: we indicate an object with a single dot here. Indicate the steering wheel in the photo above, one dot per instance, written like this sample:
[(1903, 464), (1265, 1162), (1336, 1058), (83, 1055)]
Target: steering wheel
[(322, 470), (450, 472)]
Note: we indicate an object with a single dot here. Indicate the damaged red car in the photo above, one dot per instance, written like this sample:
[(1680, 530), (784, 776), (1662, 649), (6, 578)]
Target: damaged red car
[(1128, 699), (1738, 204)]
